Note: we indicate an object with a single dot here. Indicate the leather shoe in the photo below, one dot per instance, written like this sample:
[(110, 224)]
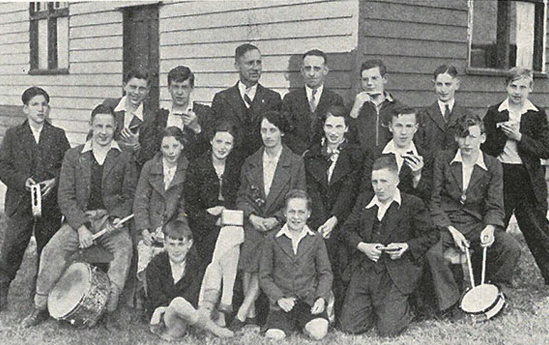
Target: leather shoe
[(237, 325), (35, 318)]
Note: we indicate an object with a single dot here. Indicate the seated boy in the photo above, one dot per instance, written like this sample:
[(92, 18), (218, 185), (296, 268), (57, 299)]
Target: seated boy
[(295, 274), (467, 203), (173, 287)]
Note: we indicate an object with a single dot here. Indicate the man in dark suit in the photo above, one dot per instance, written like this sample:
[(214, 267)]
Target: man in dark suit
[(390, 232), (415, 164), (31, 154), (437, 128), (517, 134), (131, 115), (307, 105), (467, 205), (373, 107), (193, 118), (96, 190), (244, 103)]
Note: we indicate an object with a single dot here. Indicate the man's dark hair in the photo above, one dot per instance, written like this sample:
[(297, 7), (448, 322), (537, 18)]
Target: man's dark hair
[(316, 52), (178, 229), (33, 91), (298, 194), (175, 132), (467, 121), (277, 118), (243, 49), (179, 74), (386, 161), (337, 111), (445, 69), (404, 111), (138, 73), (103, 109), (369, 64)]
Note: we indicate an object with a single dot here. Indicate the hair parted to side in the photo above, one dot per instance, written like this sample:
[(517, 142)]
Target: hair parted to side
[(386, 161), (33, 91), (316, 52), (225, 126), (517, 73), (175, 132), (102, 109), (369, 64), (465, 122), (243, 49), (178, 229), (404, 111), (445, 69), (138, 73), (337, 111), (298, 194), (180, 74), (277, 118)]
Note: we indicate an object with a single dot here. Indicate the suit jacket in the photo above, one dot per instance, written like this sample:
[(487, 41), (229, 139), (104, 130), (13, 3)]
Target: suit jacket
[(371, 131), (154, 206), (161, 289), (289, 174), (434, 132), (21, 158), (406, 185), (202, 192), (148, 116), (408, 223), (228, 105), (306, 275), (117, 188), (305, 127), (483, 198), (195, 144), (533, 145), (337, 197)]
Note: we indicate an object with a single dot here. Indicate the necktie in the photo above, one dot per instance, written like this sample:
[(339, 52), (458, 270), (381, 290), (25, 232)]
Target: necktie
[(312, 102), (247, 99), (447, 112)]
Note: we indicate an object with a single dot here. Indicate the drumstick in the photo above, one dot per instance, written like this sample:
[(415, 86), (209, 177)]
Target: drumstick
[(102, 232), (484, 253), (470, 267)]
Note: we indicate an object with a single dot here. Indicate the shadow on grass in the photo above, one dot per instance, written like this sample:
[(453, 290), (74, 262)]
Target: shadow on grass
[(523, 322)]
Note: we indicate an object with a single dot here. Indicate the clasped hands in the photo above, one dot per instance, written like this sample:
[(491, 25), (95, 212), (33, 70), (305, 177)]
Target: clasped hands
[(263, 224), (288, 303), (374, 250)]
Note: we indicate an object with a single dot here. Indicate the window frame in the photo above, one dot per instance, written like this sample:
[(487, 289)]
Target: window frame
[(50, 14), (503, 38)]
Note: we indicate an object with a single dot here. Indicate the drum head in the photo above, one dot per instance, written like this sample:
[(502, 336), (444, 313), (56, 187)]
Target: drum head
[(479, 299), (69, 290)]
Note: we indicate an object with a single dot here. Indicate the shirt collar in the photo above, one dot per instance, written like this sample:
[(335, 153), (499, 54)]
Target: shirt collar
[(242, 88), (88, 146), (375, 201), (479, 161), (319, 91), (274, 159), (443, 105), (391, 148), (286, 231), (528, 105), (190, 106), (122, 107)]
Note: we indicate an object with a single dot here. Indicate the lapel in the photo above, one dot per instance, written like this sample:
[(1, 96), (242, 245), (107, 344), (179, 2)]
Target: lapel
[(188, 275), (368, 217), (84, 159), (46, 137), (476, 176), (235, 101), (436, 116), (343, 164), (257, 103), (303, 101), (110, 161), (256, 161), (456, 113), (318, 166), (323, 102), (457, 172), (393, 217), (179, 176), (27, 139), (281, 177), (286, 245), (156, 178), (119, 117), (305, 246)]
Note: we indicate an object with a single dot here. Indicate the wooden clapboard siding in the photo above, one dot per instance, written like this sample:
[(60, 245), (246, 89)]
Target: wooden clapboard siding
[(414, 37), (203, 36)]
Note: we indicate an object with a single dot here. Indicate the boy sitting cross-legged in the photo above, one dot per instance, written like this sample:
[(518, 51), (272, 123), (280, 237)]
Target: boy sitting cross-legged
[(295, 274)]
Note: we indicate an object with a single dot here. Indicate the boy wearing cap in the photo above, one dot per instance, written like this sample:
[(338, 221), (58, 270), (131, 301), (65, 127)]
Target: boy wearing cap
[(31, 153)]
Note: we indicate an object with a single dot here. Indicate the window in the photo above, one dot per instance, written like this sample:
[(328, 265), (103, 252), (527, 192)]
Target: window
[(49, 37), (507, 33)]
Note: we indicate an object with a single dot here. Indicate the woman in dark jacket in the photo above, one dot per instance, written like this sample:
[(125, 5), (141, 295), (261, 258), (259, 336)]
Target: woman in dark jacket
[(333, 170)]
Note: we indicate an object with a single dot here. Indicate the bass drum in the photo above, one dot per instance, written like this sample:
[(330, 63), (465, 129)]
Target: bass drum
[(80, 296)]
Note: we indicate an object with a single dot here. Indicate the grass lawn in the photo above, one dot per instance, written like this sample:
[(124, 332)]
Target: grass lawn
[(525, 321)]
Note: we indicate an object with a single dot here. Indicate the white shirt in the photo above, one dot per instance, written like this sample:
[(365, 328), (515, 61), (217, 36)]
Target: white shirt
[(178, 270), (36, 133), (295, 240), (467, 170), (334, 156), (392, 148), (128, 116), (442, 106), (169, 173), (318, 94), (510, 150), (249, 91), (177, 120), (383, 207), (100, 156), (269, 168)]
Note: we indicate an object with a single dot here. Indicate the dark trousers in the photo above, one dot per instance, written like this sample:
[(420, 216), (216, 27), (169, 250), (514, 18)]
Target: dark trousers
[(338, 255), (373, 299), (17, 235), (501, 260), (519, 199)]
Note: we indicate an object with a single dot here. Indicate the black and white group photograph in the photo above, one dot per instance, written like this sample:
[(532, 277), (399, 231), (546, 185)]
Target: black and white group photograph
[(266, 172)]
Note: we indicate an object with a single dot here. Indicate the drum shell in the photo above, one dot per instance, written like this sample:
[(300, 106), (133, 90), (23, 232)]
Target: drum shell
[(491, 310)]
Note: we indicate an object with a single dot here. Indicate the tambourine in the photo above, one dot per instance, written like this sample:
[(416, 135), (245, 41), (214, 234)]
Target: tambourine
[(36, 199), (483, 301)]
